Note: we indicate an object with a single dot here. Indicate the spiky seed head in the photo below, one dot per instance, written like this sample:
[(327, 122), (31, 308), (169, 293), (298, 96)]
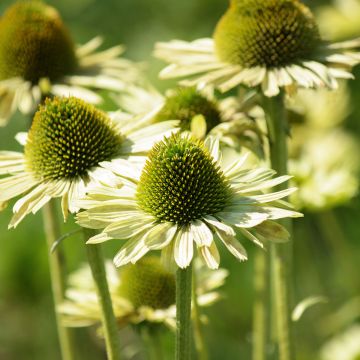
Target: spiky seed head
[(148, 283), (67, 138), (186, 103), (181, 182), (270, 33), (34, 43)]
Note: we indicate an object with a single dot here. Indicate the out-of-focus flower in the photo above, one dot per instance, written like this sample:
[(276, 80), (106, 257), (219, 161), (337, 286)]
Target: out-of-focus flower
[(269, 43), (72, 145), (144, 292), (181, 198), (38, 58), (326, 170), (340, 20), (345, 346), (232, 119), (323, 155)]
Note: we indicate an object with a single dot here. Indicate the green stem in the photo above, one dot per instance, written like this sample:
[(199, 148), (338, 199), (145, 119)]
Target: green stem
[(183, 313), (280, 254), (198, 331), (336, 239), (97, 266), (57, 276), (260, 317), (152, 342)]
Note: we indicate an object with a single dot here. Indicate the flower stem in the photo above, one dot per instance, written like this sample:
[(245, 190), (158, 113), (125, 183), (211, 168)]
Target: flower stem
[(183, 313), (338, 244), (152, 341), (280, 254), (57, 276), (260, 316), (198, 331), (96, 262)]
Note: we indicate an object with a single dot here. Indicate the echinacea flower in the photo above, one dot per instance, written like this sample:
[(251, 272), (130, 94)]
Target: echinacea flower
[(345, 346), (269, 43), (140, 293), (325, 170), (340, 19), (181, 198), (200, 112), (67, 148), (38, 58)]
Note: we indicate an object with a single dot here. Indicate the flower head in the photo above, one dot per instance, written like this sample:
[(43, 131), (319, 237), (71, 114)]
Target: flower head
[(35, 43), (148, 283), (186, 103), (272, 43), (200, 112), (38, 57), (326, 170), (72, 145), (144, 292), (68, 137), (340, 19), (270, 33), (183, 197)]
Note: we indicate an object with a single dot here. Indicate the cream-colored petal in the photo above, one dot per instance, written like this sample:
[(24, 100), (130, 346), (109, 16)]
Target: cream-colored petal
[(210, 255), (13, 186), (129, 227), (201, 233), (213, 144), (246, 218), (77, 91), (160, 236), (32, 202), (219, 225), (184, 247), (131, 251), (233, 245)]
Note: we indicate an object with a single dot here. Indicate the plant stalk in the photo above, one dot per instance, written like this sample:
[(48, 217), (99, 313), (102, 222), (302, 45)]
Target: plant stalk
[(97, 266), (57, 276), (280, 254), (200, 344), (262, 298), (152, 341), (183, 313)]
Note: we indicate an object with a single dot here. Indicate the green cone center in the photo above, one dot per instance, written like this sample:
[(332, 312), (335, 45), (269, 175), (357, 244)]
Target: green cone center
[(148, 283), (181, 182), (186, 103), (67, 138), (34, 43), (270, 33)]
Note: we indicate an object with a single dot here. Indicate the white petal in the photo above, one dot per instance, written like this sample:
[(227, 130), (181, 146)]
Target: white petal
[(210, 256), (246, 218), (219, 225), (233, 245), (160, 236), (184, 248), (203, 236)]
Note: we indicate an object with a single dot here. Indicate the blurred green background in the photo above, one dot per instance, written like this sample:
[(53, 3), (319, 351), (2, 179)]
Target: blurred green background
[(27, 323)]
